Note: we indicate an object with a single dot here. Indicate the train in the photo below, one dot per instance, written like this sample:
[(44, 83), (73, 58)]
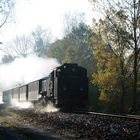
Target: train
[(66, 87)]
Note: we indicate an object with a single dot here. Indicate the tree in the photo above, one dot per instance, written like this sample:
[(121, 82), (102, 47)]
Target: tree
[(7, 59), (127, 36), (20, 47), (107, 77), (42, 39), (75, 48), (6, 8), (71, 55), (58, 49), (119, 46), (80, 37), (72, 20)]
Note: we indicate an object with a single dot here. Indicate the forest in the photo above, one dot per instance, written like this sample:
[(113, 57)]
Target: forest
[(109, 49)]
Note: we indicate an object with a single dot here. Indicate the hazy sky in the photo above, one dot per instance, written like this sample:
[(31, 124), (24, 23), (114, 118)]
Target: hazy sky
[(47, 13)]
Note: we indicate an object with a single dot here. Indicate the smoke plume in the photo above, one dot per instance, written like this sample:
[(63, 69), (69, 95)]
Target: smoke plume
[(24, 70)]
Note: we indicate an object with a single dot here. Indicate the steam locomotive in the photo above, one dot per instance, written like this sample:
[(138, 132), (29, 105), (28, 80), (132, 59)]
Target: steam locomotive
[(66, 86)]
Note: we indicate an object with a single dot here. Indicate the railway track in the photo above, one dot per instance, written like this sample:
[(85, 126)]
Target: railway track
[(125, 116)]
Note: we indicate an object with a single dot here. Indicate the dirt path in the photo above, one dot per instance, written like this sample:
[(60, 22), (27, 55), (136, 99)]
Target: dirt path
[(11, 129)]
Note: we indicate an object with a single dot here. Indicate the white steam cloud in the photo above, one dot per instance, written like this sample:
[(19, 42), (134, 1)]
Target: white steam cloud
[(24, 70), (47, 108), (21, 105)]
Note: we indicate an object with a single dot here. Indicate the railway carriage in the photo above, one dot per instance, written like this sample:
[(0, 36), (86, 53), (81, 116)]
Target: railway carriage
[(15, 94), (23, 93), (7, 96), (33, 90)]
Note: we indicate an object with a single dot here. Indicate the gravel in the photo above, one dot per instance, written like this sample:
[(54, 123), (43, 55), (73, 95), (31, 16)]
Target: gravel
[(82, 126), (11, 128)]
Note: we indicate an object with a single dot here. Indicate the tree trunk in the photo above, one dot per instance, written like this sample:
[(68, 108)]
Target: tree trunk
[(135, 68), (135, 84), (122, 99), (123, 87)]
